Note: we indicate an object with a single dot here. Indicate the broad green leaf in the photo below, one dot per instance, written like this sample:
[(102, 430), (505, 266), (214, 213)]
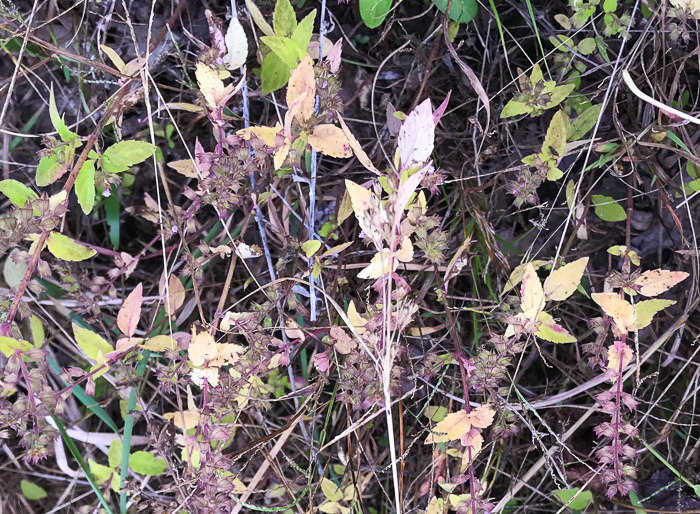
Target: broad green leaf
[(85, 186), (647, 309), (311, 247), (100, 472), (559, 94), (8, 345), (37, 330), (555, 140), (115, 454), (17, 192), (57, 120), (49, 170), (587, 46), (31, 491), (123, 155), (608, 209), (564, 281), (562, 43), (90, 342), (515, 108), (145, 463), (331, 491), (462, 11), (284, 48), (302, 33), (65, 248), (579, 503), (284, 20), (374, 12), (585, 122)]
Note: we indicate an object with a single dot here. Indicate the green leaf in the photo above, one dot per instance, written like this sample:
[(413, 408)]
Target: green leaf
[(90, 342), (37, 330), (123, 155), (645, 311), (311, 247), (65, 248), (274, 74), (302, 34), (100, 472), (145, 463), (17, 192), (112, 210), (32, 492), (559, 94), (555, 140), (8, 345), (515, 108), (579, 503), (462, 11), (551, 331), (284, 48), (374, 12), (583, 123), (330, 490), (115, 454), (587, 46), (284, 20), (49, 170), (562, 43), (57, 121), (610, 6), (85, 186), (435, 413), (608, 209)]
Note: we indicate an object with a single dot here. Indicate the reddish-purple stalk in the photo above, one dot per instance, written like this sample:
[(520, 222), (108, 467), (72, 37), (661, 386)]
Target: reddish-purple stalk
[(30, 392)]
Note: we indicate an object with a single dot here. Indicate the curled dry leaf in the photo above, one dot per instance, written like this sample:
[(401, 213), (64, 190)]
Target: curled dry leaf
[(174, 296), (129, 314), (301, 81)]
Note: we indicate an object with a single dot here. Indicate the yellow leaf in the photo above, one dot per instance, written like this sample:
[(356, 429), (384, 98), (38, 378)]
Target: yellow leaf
[(114, 57), (226, 354), (516, 275), (267, 134), (174, 296), (191, 419), (356, 148), (531, 292), (330, 140), (236, 45), (202, 348), (331, 491), (259, 19), (618, 354), (301, 81), (472, 441), (482, 416), (184, 167), (380, 265), (621, 311), (281, 155), (160, 344), (564, 281), (405, 253), (360, 198), (129, 314), (655, 282), (551, 331), (453, 427), (211, 86), (356, 320)]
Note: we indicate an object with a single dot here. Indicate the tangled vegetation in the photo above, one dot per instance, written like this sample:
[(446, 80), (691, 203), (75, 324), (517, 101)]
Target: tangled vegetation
[(362, 256)]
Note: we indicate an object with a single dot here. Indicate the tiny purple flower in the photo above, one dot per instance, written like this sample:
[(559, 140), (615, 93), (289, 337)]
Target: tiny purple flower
[(219, 60)]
